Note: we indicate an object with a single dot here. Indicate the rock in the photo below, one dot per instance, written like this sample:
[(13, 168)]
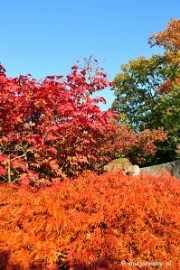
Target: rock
[(132, 169), (126, 167)]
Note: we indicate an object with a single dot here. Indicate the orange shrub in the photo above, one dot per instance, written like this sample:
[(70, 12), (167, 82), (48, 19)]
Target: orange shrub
[(93, 222)]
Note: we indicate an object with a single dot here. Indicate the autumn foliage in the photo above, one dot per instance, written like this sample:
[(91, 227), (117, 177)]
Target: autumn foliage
[(169, 38), (51, 129), (59, 210), (136, 146), (54, 129), (148, 94), (93, 222)]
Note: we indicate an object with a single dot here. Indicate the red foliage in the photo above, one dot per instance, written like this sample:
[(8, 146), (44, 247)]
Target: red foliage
[(127, 143), (51, 129), (167, 87), (93, 222), (54, 128)]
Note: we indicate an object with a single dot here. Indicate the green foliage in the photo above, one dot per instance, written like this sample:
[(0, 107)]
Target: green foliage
[(135, 89), (147, 92)]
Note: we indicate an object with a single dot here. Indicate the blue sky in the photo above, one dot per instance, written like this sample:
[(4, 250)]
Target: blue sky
[(44, 37)]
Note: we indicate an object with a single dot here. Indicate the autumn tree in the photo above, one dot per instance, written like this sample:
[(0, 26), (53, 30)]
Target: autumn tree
[(51, 129), (147, 91), (55, 128), (169, 38)]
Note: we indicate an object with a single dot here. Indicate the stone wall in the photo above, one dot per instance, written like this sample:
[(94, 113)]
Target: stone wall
[(172, 167)]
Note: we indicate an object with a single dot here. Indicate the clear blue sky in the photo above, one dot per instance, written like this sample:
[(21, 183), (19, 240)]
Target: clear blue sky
[(47, 37)]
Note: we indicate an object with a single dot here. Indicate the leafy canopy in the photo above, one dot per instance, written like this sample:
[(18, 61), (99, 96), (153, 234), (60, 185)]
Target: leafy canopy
[(147, 91), (51, 129)]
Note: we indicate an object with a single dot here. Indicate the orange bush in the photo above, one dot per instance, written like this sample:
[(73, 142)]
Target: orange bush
[(93, 222)]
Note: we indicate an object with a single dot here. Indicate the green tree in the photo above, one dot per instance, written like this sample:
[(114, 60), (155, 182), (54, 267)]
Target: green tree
[(148, 94)]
